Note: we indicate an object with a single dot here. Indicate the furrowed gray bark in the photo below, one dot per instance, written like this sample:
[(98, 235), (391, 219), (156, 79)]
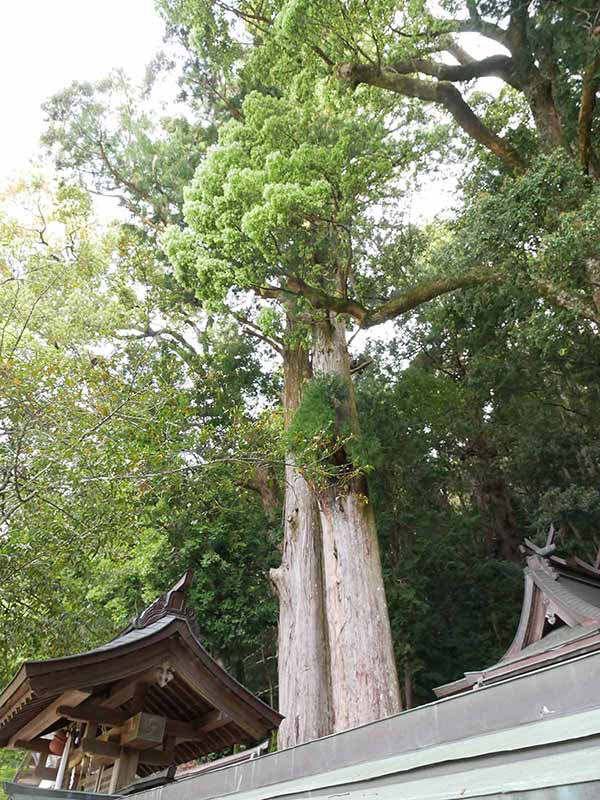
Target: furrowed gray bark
[(365, 685), (304, 669)]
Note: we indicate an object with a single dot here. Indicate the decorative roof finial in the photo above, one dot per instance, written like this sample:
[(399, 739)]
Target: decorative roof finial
[(173, 601), (548, 548)]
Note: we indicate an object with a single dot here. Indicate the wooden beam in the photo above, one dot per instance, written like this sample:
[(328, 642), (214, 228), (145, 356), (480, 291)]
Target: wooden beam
[(182, 730), (97, 748), (49, 715), (88, 712), (211, 721), (158, 758), (139, 695), (36, 745), (190, 731), (128, 688)]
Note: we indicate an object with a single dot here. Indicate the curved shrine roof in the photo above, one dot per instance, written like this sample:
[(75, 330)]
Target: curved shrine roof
[(157, 666), (560, 617)]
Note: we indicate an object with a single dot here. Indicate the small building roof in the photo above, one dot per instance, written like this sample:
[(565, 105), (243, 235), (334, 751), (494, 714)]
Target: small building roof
[(21, 791), (532, 737), (560, 617), (157, 668)]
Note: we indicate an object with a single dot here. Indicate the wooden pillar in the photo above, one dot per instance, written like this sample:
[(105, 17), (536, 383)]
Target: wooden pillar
[(99, 776), (124, 769), (81, 771)]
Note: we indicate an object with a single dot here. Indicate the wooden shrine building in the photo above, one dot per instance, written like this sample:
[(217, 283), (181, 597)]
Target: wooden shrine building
[(526, 728), (151, 699), (560, 618)]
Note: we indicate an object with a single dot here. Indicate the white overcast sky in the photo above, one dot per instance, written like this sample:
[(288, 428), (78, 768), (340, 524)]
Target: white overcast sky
[(45, 44)]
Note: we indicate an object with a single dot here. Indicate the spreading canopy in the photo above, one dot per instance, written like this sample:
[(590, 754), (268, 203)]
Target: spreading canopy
[(290, 204), (282, 199)]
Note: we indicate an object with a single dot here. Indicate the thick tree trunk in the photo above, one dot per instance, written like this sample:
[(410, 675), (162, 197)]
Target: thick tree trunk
[(491, 495), (500, 526), (304, 670), (263, 481), (545, 113), (365, 680)]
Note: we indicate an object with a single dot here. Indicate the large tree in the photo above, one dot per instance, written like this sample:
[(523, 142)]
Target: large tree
[(282, 208), (304, 183), (275, 213), (426, 66), (79, 126)]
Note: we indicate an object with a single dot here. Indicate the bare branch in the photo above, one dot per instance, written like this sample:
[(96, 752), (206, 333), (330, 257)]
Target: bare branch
[(415, 297), (392, 308), (253, 330), (459, 53), (441, 92), (498, 66), (133, 187)]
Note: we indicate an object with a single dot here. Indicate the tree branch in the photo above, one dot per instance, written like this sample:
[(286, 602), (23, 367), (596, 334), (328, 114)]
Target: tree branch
[(475, 24), (392, 308), (459, 53), (320, 299), (440, 92), (591, 83), (498, 66), (422, 293), (253, 330), (177, 343), (128, 184)]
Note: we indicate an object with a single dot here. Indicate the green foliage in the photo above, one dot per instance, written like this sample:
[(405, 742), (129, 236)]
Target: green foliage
[(278, 196), (109, 131), (112, 450), (312, 435), (320, 437), (130, 421), (537, 230), (270, 322), (489, 404), (221, 533), (9, 763)]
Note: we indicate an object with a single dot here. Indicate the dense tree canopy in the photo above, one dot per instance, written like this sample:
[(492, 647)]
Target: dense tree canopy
[(106, 440), (209, 383)]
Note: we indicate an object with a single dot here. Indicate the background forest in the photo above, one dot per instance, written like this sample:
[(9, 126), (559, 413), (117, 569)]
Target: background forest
[(142, 429)]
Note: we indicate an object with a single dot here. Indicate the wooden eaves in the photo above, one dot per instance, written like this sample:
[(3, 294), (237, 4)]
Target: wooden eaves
[(560, 618), (151, 698)]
